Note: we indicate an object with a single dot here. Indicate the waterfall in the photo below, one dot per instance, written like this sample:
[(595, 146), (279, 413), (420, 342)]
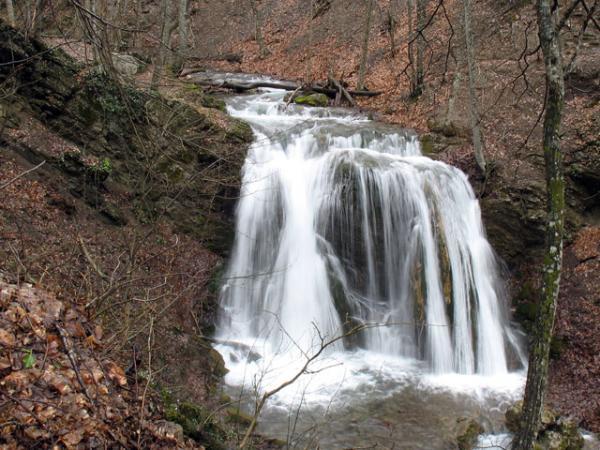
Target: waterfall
[(342, 221)]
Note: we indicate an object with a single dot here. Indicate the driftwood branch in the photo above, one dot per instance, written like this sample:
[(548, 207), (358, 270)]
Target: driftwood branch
[(342, 90), (286, 85)]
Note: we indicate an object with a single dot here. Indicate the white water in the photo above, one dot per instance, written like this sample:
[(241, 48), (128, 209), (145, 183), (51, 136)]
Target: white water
[(342, 222)]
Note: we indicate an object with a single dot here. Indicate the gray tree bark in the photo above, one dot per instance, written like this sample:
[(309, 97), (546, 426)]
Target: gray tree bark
[(391, 28), (451, 110), (258, 36), (10, 13), (474, 117), (182, 49), (365, 47), (420, 57), (410, 7), (535, 388), (166, 29)]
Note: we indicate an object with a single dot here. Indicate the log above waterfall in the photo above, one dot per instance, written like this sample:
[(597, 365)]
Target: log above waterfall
[(236, 84)]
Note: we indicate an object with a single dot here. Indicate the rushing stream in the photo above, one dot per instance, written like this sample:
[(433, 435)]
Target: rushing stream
[(349, 241)]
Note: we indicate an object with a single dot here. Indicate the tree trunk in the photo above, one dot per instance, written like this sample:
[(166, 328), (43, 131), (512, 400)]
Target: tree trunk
[(419, 72), (10, 13), (451, 111), (472, 81), (365, 47), (540, 346), (391, 28), (167, 27), (36, 16), (258, 36), (410, 7), (183, 34)]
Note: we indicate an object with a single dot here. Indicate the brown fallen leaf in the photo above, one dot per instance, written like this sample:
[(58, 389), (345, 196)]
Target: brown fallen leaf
[(7, 339), (35, 433), (72, 438), (57, 382), (98, 333), (91, 342), (16, 380), (116, 374)]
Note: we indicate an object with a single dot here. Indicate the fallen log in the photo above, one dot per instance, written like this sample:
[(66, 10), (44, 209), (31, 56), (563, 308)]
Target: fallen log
[(285, 85), (342, 90)]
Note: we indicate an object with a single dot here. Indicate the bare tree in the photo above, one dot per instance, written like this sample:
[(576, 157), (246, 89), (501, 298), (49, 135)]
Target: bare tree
[(472, 81), (33, 14), (95, 31), (183, 33), (262, 47), (420, 57), (10, 13), (391, 28), (410, 7), (455, 89), (166, 30), (365, 47), (535, 388)]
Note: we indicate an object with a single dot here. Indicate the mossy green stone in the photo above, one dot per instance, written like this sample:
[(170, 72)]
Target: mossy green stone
[(312, 100)]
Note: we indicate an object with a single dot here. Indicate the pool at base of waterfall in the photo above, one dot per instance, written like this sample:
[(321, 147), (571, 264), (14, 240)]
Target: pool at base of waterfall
[(360, 398), (361, 290)]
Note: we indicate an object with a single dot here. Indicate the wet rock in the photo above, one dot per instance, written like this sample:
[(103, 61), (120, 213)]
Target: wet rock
[(312, 100), (434, 143), (513, 416), (467, 432), (583, 169), (514, 213), (555, 433), (449, 128)]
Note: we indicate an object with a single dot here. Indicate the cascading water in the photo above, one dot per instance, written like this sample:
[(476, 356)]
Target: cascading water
[(342, 222)]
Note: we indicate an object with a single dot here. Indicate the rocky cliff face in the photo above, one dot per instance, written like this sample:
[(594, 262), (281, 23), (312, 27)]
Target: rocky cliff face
[(173, 158)]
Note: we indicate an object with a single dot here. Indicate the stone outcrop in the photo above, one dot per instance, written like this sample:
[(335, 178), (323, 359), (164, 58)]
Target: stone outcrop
[(173, 159)]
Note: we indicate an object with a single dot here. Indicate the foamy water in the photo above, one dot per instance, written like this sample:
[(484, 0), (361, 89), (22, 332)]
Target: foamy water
[(342, 223)]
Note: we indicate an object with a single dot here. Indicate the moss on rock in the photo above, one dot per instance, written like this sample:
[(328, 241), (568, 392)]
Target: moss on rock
[(468, 431), (312, 100)]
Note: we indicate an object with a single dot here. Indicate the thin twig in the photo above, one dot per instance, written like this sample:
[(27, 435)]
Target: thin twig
[(9, 182)]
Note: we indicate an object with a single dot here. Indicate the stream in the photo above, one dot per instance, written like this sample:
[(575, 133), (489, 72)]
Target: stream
[(363, 266)]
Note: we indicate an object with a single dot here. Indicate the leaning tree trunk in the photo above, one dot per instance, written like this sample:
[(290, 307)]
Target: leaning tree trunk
[(10, 13), (472, 81), (540, 346), (365, 47)]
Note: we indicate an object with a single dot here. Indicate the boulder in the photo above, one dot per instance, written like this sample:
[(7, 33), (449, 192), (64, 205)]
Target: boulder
[(127, 65), (467, 433), (312, 100)]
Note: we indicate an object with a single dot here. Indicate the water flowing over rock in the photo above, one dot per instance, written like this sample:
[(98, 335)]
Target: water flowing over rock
[(342, 221)]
